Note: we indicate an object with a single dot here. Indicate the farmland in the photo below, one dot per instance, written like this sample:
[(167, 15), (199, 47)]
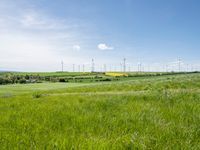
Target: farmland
[(142, 111), (74, 77)]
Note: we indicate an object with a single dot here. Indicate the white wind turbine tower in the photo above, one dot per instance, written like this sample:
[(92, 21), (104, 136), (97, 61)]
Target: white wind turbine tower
[(104, 67), (79, 68), (124, 64), (62, 63), (92, 66), (139, 66), (179, 64), (121, 67), (83, 67), (73, 67)]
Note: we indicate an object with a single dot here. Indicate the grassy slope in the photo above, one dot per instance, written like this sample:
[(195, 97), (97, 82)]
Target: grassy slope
[(145, 113)]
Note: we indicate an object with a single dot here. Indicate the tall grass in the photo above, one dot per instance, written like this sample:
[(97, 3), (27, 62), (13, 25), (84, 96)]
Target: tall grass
[(165, 115)]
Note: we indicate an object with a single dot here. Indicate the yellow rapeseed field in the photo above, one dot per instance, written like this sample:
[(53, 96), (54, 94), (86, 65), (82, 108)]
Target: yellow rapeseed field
[(115, 74)]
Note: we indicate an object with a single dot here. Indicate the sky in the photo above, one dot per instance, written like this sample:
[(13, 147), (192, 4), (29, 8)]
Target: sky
[(36, 35)]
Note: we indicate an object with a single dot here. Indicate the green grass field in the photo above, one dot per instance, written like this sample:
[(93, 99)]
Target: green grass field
[(158, 112)]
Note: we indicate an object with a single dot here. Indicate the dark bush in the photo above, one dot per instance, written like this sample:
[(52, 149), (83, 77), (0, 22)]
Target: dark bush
[(27, 77), (106, 79), (22, 81), (47, 78), (1, 81), (5, 81), (62, 80), (37, 95)]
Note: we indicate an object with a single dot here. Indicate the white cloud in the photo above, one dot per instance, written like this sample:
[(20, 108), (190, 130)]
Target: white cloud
[(103, 46), (76, 47)]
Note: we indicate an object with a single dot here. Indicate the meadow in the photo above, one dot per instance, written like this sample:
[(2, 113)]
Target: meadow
[(145, 112)]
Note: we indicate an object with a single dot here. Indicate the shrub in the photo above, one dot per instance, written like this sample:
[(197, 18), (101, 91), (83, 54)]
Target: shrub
[(1, 81), (27, 77), (22, 81), (37, 95), (106, 79), (5, 81), (62, 80), (47, 78)]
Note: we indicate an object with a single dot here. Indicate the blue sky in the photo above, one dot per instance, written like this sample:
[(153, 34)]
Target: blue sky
[(36, 35)]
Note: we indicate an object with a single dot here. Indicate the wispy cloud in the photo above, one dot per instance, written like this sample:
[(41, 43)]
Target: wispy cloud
[(34, 20), (103, 46), (30, 36)]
